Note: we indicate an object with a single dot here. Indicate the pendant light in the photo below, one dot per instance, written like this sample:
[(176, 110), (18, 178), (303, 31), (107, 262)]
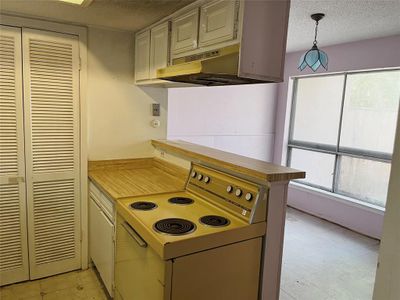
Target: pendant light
[(314, 58)]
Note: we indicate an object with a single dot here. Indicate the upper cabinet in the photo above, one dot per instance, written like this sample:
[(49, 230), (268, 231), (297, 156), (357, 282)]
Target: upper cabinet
[(159, 51), (142, 56), (202, 24), (151, 52), (217, 22), (215, 42), (185, 32)]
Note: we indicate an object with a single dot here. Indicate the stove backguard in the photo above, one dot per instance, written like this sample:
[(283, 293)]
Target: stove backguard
[(245, 199)]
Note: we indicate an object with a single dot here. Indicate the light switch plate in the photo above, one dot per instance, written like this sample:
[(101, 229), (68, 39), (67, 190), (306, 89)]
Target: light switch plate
[(156, 109)]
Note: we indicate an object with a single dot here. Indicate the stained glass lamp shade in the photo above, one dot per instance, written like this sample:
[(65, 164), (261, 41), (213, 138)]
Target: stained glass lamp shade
[(314, 58)]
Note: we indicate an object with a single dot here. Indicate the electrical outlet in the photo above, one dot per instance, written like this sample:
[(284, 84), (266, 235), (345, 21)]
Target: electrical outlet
[(156, 109)]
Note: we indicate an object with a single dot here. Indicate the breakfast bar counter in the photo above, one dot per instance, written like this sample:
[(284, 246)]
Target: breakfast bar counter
[(247, 166)]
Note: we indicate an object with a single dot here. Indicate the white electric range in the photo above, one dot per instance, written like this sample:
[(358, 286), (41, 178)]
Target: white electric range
[(205, 242)]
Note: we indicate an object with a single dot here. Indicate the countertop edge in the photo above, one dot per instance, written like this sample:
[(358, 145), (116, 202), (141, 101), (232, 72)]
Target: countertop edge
[(237, 163)]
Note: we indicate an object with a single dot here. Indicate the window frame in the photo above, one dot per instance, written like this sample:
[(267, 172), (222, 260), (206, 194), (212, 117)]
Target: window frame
[(336, 150)]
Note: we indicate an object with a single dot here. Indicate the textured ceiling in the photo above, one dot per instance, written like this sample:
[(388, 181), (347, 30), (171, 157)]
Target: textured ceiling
[(345, 21), (128, 15)]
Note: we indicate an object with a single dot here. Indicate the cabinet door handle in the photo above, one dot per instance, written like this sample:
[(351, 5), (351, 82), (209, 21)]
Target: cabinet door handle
[(134, 235)]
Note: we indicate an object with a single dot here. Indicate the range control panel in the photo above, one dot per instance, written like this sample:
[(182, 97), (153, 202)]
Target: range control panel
[(238, 195)]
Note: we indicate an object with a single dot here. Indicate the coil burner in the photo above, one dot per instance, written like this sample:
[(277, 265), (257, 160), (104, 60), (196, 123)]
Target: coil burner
[(180, 200), (215, 221), (143, 205), (174, 226)]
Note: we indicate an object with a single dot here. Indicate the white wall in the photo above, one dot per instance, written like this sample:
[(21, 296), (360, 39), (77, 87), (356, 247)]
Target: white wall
[(387, 284), (238, 119), (119, 113)]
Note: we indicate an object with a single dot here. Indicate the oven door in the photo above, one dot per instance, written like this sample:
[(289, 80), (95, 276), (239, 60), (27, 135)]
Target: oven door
[(139, 272)]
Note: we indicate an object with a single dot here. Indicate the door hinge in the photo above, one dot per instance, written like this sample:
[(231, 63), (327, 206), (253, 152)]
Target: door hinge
[(80, 63)]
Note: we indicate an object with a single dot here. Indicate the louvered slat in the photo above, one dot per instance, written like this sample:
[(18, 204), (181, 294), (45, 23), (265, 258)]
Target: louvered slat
[(51, 77), (10, 224), (54, 212), (13, 231), (8, 108), (46, 109)]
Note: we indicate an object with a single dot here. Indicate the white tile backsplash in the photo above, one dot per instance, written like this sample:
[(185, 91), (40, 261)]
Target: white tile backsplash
[(238, 119), (233, 110)]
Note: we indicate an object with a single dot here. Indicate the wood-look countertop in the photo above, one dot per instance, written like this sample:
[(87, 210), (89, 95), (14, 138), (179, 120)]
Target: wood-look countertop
[(136, 177), (229, 161)]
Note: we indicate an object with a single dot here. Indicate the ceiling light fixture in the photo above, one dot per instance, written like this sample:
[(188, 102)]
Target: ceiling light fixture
[(83, 3), (314, 58)]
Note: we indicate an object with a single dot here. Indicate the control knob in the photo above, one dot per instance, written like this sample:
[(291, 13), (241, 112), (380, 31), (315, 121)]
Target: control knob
[(238, 192), (193, 174), (206, 179), (248, 196), (229, 189), (200, 177)]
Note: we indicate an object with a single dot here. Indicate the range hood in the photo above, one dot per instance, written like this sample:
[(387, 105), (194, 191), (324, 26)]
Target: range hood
[(256, 55), (211, 68)]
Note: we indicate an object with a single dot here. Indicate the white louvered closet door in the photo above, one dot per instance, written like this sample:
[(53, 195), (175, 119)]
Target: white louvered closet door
[(13, 233), (51, 101)]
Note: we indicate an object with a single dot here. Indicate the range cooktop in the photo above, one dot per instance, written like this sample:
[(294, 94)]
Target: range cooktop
[(165, 214), (215, 208)]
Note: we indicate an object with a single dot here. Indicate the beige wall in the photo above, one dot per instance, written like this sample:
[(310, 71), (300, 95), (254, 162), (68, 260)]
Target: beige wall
[(119, 113), (387, 285)]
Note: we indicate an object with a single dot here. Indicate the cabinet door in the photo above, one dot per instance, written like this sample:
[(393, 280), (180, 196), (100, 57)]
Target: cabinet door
[(217, 22), (185, 32), (142, 56), (13, 230), (52, 139), (159, 48), (101, 244), (196, 276)]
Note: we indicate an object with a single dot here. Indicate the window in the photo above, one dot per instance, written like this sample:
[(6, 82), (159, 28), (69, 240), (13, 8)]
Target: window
[(342, 132)]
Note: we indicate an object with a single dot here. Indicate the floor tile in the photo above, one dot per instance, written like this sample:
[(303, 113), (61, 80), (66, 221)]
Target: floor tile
[(77, 285), (24, 290), (7, 294), (65, 294), (59, 282)]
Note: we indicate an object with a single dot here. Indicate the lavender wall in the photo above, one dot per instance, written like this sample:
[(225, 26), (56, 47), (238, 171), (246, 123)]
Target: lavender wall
[(367, 54)]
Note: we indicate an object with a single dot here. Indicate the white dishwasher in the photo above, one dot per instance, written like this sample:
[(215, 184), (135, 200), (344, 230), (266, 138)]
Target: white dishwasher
[(101, 236)]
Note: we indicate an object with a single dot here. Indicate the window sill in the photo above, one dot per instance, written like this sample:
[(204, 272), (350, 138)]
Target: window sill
[(340, 198)]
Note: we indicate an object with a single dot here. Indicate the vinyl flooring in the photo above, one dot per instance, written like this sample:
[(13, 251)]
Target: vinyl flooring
[(75, 285), (323, 261)]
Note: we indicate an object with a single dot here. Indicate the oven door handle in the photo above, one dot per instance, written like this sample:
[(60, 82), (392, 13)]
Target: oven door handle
[(134, 235)]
